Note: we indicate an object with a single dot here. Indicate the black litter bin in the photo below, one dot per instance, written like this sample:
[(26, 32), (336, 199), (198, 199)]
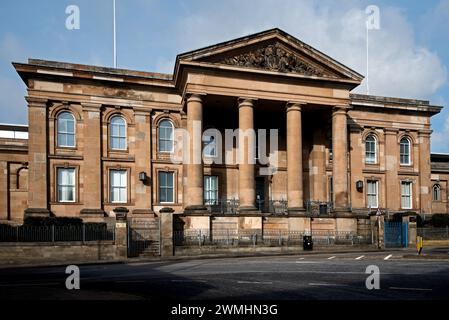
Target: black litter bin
[(307, 243)]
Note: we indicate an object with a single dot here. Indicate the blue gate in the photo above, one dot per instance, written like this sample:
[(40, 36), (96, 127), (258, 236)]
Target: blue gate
[(396, 234)]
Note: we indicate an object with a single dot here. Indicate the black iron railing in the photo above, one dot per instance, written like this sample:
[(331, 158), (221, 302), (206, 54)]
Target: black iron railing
[(81, 233), (271, 237)]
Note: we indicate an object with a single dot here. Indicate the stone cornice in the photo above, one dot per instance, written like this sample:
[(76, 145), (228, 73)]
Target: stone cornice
[(36, 102)]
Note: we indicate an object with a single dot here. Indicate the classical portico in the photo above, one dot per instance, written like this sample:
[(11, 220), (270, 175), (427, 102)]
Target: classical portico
[(270, 69)]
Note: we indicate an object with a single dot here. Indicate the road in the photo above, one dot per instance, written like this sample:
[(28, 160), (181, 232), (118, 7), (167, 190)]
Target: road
[(303, 277)]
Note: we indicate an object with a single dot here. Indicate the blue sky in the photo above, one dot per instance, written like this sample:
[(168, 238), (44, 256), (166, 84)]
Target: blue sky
[(409, 55)]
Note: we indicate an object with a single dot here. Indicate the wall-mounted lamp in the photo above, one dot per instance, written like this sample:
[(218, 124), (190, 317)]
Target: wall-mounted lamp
[(143, 176), (359, 185)]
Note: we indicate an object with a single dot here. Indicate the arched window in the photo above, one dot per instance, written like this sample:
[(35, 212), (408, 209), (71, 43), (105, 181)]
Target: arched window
[(117, 133), (66, 130), (404, 151), (436, 192), (165, 136), (370, 149)]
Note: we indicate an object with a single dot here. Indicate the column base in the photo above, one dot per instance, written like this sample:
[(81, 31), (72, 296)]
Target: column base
[(248, 210), (342, 213), (37, 212), (296, 211)]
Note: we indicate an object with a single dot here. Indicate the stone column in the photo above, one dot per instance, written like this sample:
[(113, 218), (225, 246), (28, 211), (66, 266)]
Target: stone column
[(425, 199), (247, 188), (194, 166), (37, 157), (294, 158), (392, 192), (142, 190), (92, 166), (5, 195), (317, 169), (340, 160)]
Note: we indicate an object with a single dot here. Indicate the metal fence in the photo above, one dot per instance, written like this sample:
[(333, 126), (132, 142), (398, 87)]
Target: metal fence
[(434, 233), (81, 233), (272, 237), (274, 207)]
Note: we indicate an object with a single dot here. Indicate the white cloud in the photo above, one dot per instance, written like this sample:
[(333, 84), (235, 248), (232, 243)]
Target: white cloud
[(398, 65)]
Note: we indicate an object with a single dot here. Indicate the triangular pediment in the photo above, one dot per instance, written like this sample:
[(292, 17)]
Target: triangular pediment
[(273, 51)]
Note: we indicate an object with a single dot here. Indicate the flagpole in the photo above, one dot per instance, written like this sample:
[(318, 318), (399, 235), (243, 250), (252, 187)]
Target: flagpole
[(115, 36), (367, 59)]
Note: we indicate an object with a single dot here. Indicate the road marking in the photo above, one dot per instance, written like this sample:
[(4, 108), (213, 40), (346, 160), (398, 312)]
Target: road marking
[(326, 284), (300, 258), (410, 289), (388, 257), (179, 280), (360, 258), (254, 282), (330, 258)]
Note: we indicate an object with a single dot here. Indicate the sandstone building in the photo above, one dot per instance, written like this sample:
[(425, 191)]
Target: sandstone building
[(100, 138)]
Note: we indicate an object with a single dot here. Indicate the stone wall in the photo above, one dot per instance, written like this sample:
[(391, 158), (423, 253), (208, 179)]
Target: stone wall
[(64, 253)]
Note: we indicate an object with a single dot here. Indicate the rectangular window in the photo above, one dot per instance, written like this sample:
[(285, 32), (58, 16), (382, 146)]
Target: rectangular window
[(370, 152), (166, 187), (210, 190), (118, 138), (372, 194), (210, 146), (66, 184), (118, 186), (406, 195), (404, 152)]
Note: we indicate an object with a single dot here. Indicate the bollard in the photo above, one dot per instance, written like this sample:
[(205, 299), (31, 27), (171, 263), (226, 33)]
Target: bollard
[(419, 244)]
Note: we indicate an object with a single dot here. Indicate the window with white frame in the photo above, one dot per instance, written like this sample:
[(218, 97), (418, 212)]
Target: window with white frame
[(210, 190), (66, 184), (404, 151), (372, 194), (118, 186), (117, 133), (166, 187), (66, 130), (406, 195), (436, 192), (165, 136), (370, 149)]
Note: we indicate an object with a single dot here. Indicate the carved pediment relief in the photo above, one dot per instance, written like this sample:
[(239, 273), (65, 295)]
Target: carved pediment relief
[(275, 57)]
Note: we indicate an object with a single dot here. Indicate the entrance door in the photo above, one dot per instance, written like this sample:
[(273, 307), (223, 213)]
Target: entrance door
[(260, 193), (395, 234)]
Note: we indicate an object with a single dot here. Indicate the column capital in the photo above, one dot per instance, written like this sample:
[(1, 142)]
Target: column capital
[(194, 97), (36, 102), (294, 106), (246, 101), (340, 110)]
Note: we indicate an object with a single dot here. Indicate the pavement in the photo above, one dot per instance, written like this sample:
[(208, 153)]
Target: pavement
[(317, 276)]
